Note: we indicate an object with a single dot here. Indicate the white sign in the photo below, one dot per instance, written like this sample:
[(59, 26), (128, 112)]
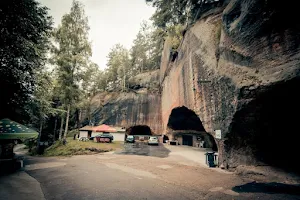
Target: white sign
[(218, 134)]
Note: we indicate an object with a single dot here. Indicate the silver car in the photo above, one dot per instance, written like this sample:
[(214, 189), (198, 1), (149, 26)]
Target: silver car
[(153, 140)]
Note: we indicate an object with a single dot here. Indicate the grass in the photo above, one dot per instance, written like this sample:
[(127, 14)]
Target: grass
[(75, 147)]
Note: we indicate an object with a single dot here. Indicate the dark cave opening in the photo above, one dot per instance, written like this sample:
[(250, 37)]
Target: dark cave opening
[(182, 118), (269, 126), (165, 138), (185, 123), (139, 130)]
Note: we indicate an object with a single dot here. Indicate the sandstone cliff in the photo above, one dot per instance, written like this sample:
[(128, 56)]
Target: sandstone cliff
[(141, 105), (238, 70)]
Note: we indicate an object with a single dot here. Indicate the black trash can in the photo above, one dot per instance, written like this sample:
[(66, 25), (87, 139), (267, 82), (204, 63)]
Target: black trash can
[(210, 159)]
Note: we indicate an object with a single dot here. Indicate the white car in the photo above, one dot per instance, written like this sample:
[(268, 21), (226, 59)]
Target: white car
[(153, 140), (84, 139)]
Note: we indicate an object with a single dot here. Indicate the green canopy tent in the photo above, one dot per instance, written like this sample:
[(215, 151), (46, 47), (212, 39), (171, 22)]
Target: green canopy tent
[(12, 130)]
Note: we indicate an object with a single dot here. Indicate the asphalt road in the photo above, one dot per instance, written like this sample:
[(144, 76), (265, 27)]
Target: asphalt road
[(155, 175), (143, 149)]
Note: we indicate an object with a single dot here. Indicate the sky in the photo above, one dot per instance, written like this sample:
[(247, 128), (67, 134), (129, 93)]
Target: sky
[(110, 21)]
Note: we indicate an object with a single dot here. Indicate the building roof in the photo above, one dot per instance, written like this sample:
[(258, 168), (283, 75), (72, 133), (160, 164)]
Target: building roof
[(120, 129), (104, 128), (87, 128)]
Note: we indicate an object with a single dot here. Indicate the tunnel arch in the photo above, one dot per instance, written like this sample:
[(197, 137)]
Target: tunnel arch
[(266, 130), (139, 130), (183, 121)]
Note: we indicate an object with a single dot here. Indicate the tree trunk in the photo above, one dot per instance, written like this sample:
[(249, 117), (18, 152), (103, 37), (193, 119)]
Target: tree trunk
[(61, 127), (124, 78), (39, 148), (40, 132), (80, 120), (67, 122), (55, 124), (41, 128)]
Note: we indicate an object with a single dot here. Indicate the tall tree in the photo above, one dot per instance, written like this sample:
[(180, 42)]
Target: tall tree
[(139, 53), (25, 29), (118, 66), (147, 48), (71, 55)]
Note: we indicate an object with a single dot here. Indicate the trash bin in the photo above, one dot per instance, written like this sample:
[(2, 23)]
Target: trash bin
[(210, 159)]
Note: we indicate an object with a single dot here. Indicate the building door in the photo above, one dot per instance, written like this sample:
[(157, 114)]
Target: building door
[(89, 134), (187, 140)]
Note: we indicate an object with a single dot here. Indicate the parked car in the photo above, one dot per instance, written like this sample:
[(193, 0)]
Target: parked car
[(84, 139), (130, 139), (92, 137), (153, 140), (103, 137)]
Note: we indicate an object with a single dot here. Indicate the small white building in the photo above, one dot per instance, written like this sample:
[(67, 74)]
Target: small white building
[(89, 131)]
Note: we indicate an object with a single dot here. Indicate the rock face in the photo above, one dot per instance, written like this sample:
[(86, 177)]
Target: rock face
[(140, 106), (239, 71)]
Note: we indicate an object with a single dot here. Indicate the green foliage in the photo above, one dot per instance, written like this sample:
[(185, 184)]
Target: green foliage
[(175, 35), (147, 48), (144, 55), (185, 12), (118, 67), (157, 38), (25, 30), (71, 54), (41, 102)]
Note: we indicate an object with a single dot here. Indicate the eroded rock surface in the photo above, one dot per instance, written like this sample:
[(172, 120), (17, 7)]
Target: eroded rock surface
[(239, 71), (139, 106)]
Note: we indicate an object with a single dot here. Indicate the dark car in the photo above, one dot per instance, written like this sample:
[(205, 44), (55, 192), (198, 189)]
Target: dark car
[(130, 139)]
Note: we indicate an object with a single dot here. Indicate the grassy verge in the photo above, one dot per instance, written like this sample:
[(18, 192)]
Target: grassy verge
[(74, 147)]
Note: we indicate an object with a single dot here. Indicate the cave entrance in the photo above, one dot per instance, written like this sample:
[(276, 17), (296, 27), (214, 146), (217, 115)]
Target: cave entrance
[(139, 130), (186, 127), (165, 138), (266, 131)]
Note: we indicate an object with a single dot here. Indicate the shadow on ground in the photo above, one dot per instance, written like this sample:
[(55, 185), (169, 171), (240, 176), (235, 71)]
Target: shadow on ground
[(143, 149), (269, 188)]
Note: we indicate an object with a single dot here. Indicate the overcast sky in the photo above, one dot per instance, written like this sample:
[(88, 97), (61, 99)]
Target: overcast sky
[(111, 22)]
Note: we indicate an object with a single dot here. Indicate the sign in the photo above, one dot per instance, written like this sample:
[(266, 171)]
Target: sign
[(218, 134)]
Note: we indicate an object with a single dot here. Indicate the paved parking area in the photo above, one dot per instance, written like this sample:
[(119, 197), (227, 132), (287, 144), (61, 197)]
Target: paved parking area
[(152, 172), (196, 155), (143, 149)]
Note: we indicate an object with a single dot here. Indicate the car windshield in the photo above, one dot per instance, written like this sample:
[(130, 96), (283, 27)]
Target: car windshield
[(130, 137), (153, 138)]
